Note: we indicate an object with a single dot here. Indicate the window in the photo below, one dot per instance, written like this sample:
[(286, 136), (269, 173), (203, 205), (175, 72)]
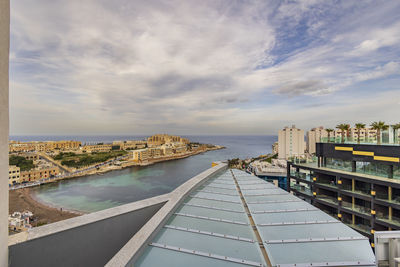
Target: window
[(373, 168), (338, 164), (396, 171)]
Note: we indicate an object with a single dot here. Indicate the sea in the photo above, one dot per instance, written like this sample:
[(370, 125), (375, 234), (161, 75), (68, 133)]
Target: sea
[(101, 191)]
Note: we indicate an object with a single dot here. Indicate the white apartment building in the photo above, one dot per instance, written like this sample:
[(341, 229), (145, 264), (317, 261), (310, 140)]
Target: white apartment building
[(314, 136), (290, 142)]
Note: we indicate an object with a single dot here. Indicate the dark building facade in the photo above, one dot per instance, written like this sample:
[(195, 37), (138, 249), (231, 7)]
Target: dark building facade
[(356, 183)]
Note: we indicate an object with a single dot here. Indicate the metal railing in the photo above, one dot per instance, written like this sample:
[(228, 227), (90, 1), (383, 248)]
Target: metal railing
[(365, 141)]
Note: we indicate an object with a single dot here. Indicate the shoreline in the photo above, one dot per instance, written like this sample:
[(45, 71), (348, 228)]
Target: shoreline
[(23, 199), (127, 165)]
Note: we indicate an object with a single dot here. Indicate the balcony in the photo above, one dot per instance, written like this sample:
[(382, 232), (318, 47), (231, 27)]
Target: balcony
[(331, 185), (365, 192), (385, 217), (329, 199), (302, 176), (357, 208), (302, 189)]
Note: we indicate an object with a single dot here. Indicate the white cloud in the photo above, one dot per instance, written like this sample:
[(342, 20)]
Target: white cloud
[(140, 67)]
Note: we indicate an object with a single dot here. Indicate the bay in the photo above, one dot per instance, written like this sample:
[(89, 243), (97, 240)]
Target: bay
[(97, 192)]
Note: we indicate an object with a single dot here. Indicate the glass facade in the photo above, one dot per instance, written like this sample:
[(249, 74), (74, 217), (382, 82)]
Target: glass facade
[(396, 172), (338, 164), (372, 168)]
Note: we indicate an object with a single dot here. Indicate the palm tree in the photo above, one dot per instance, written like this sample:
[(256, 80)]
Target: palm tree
[(379, 126), (329, 133), (397, 127), (359, 126), (343, 127)]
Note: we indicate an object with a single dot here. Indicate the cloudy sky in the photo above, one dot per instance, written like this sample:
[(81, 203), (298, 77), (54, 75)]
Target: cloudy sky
[(201, 67)]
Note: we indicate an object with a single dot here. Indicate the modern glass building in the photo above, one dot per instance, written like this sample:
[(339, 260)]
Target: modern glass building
[(359, 184)]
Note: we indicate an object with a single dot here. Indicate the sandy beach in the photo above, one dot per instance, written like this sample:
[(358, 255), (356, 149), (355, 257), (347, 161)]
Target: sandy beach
[(22, 199)]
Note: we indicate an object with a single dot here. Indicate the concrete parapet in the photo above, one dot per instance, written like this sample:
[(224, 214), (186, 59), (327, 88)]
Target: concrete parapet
[(88, 240)]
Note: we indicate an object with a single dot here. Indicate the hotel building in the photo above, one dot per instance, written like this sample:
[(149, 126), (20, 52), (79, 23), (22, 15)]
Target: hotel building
[(290, 143), (39, 173), (141, 154), (314, 136), (356, 183)]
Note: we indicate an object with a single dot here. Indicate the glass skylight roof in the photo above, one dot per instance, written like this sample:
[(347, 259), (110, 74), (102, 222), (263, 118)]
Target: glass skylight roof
[(212, 228)]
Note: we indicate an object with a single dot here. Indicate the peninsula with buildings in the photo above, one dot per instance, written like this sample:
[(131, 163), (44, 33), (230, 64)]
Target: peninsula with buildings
[(37, 162)]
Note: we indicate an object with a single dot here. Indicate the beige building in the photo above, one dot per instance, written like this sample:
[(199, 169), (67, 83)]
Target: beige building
[(167, 150), (180, 148), (275, 148), (29, 156), (314, 136), (97, 148), (366, 134), (141, 155), (155, 152), (160, 139), (290, 143), (14, 173), (16, 146), (39, 173), (130, 144)]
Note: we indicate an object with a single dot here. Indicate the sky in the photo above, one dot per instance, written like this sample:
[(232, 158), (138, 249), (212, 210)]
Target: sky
[(201, 67)]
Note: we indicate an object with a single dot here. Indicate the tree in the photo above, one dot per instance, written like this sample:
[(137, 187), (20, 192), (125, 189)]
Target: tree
[(329, 131), (344, 128), (397, 127), (379, 126), (359, 126)]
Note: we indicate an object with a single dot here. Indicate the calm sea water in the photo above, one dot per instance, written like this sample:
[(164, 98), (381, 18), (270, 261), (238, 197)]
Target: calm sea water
[(97, 192)]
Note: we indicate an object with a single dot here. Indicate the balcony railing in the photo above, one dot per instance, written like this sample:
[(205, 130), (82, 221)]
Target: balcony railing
[(302, 189), (357, 190), (329, 199), (357, 208), (302, 175), (385, 217), (365, 141)]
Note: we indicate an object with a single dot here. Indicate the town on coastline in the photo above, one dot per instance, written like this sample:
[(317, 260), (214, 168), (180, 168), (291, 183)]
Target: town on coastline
[(38, 162)]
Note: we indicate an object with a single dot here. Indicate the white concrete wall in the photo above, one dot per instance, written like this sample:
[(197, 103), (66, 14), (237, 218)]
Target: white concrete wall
[(4, 51)]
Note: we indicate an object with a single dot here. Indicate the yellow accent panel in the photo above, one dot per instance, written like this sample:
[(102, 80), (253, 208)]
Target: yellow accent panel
[(363, 153), (343, 148), (391, 159), (214, 164)]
